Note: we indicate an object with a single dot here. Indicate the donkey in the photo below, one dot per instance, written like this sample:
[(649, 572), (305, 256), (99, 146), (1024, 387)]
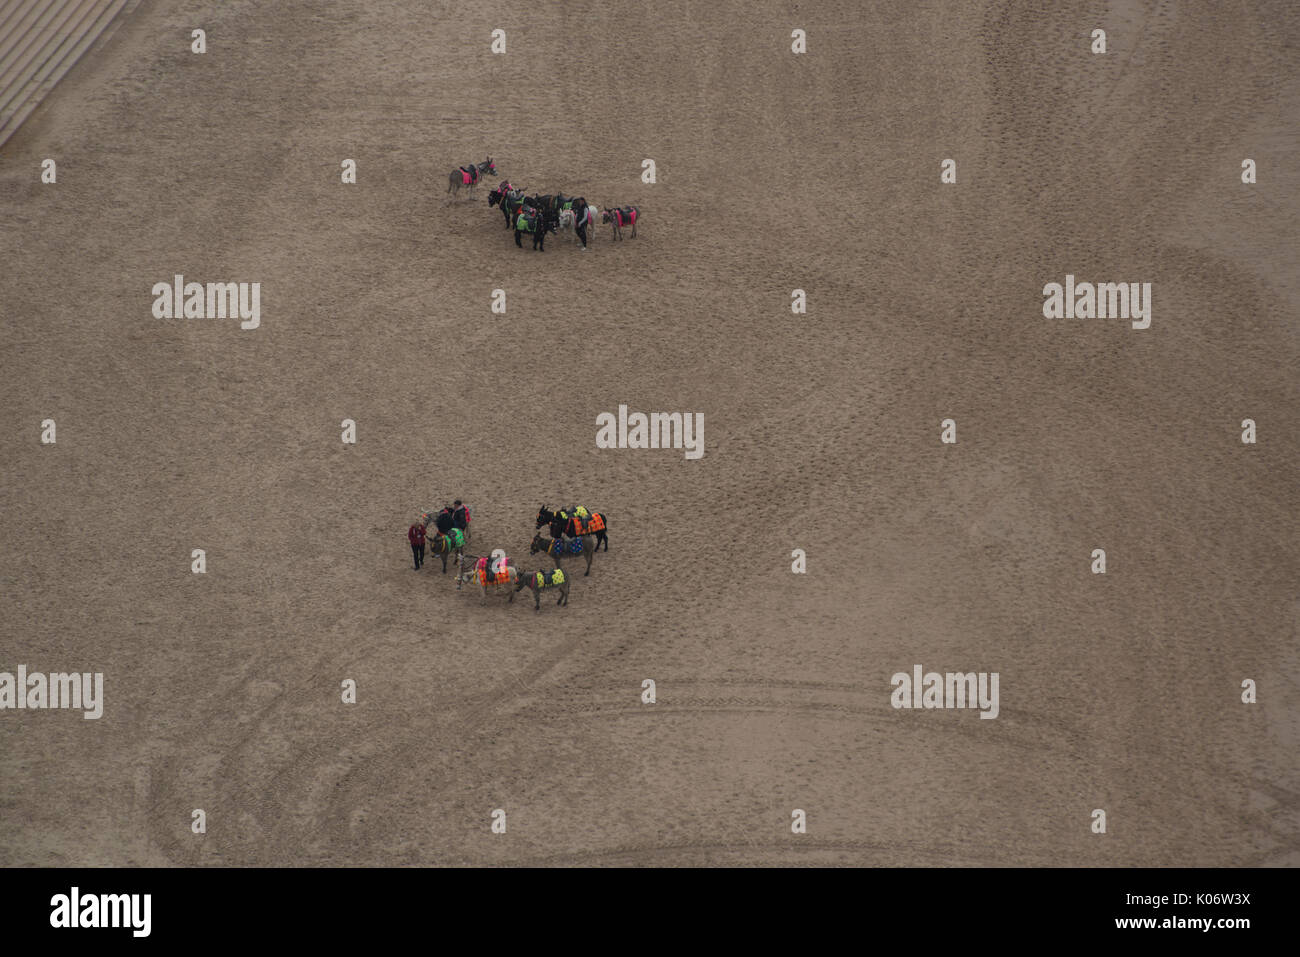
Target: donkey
[(469, 176), (509, 199), (451, 543), (578, 216), (562, 523), (475, 569), (536, 222), (539, 581), (622, 216), (559, 548), (548, 204)]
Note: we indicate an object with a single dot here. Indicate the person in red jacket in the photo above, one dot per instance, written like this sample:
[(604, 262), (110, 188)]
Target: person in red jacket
[(415, 535)]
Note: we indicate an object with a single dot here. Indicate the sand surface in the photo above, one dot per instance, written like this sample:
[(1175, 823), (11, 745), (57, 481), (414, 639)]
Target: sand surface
[(775, 171)]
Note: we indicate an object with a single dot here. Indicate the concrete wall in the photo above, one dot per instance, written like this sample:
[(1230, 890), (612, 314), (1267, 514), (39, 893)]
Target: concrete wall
[(40, 40)]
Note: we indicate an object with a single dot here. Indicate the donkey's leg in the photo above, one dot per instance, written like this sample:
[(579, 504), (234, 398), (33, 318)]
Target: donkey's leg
[(517, 242), (588, 552)]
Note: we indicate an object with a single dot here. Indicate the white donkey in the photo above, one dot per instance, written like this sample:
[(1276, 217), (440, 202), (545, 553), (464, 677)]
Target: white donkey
[(569, 221), (488, 573)]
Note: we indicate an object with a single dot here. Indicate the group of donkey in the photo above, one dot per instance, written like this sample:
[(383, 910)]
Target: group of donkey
[(450, 531), (574, 533), (538, 215)]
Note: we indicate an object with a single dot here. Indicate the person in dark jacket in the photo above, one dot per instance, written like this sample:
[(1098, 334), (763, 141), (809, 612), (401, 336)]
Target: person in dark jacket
[(443, 521), (415, 535)]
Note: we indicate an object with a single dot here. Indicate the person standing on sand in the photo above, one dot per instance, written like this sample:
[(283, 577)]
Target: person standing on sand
[(415, 535), (580, 220)]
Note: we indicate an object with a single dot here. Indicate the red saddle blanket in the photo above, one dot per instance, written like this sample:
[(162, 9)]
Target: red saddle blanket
[(588, 526), (500, 578)]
